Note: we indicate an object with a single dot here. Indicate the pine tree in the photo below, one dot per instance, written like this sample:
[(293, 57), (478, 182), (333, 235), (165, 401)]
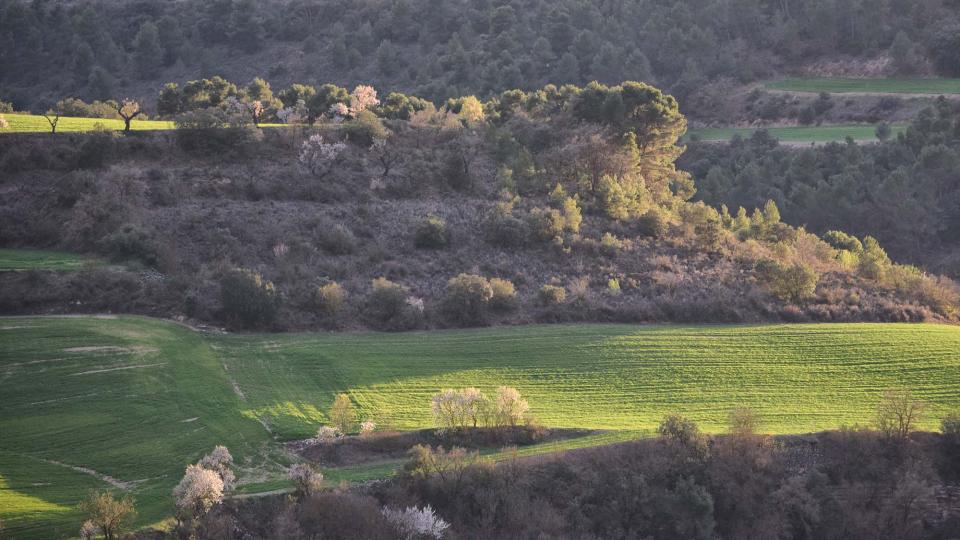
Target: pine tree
[(147, 51)]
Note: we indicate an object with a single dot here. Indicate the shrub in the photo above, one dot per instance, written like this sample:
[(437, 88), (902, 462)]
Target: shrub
[(709, 234), (843, 241), (131, 242), (874, 261), (652, 224), (319, 156), (504, 294), (572, 217), (612, 199), (545, 224), (610, 244), (248, 299), (342, 413), (387, 300), (367, 427), (793, 283), (467, 298), (503, 229), (365, 128), (683, 433), (950, 424), (552, 295), (338, 240), (330, 298), (744, 422), (306, 480), (431, 234)]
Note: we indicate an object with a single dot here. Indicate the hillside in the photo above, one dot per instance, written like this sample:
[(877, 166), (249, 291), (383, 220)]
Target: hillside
[(557, 205), (137, 399)]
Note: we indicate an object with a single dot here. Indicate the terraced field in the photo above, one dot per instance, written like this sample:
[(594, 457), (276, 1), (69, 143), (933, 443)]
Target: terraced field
[(15, 260), (128, 402), (868, 86), (29, 123), (798, 134)]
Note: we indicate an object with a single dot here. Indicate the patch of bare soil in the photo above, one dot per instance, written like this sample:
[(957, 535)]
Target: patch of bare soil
[(359, 449)]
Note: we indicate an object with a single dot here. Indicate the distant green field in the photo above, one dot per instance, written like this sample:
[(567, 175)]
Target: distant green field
[(137, 399), (798, 134), (869, 86), (36, 259), (28, 123)]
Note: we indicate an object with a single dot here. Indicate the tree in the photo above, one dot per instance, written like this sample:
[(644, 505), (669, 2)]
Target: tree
[(127, 109), (147, 51), (511, 409), (319, 156), (945, 50), (415, 522), (362, 98), (898, 413), (901, 52), (467, 298), (53, 118), (100, 83), (342, 413), (306, 480), (170, 100), (248, 299), (683, 433), (883, 131), (744, 422), (200, 490), (108, 514)]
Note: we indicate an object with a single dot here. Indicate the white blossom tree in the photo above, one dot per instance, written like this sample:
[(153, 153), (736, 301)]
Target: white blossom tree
[(306, 480), (362, 98), (319, 156), (510, 407), (220, 461), (200, 490), (3, 122), (414, 522), (367, 427), (295, 114)]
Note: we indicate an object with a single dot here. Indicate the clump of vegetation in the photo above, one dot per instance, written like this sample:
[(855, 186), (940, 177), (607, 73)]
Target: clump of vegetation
[(552, 295), (338, 240), (504, 294), (467, 299), (248, 299), (794, 283), (342, 414), (431, 233), (106, 515), (330, 298)]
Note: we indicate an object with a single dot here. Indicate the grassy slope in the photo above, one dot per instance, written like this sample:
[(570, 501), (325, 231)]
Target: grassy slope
[(28, 123), (35, 259), (869, 86), (136, 424), (799, 134), (63, 405)]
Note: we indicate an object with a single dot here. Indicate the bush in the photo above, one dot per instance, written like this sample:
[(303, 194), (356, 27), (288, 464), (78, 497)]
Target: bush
[(330, 298), (431, 234), (684, 434), (388, 305), (610, 245), (843, 241), (503, 229), (467, 299), (132, 242), (364, 129), (552, 295), (342, 413), (652, 224), (950, 424), (545, 224), (504, 294), (874, 261), (793, 283), (338, 240), (248, 299)]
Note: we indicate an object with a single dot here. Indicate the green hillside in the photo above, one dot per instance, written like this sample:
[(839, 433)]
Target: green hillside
[(29, 123), (35, 259), (137, 399), (798, 134), (869, 86)]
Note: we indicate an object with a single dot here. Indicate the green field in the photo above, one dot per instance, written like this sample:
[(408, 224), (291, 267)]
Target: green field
[(868, 86), (137, 399), (35, 259), (28, 123), (797, 134)]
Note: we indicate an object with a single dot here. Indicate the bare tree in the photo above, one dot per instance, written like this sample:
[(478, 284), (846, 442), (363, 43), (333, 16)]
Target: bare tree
[(128, 109), (898, 414), (53, 118)]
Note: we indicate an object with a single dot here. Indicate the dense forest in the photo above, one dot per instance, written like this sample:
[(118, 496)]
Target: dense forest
[(903, 191), (439, 49)]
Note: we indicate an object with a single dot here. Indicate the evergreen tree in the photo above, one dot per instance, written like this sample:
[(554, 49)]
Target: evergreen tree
[(147, 51)]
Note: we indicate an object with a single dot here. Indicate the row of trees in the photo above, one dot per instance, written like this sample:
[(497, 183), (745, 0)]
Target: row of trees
[(442, 49)]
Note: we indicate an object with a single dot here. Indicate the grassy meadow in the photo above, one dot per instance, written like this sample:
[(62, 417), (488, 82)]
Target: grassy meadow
[(137, 399), (798, 134), (30, 123), (15, 260), (868, 86)]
